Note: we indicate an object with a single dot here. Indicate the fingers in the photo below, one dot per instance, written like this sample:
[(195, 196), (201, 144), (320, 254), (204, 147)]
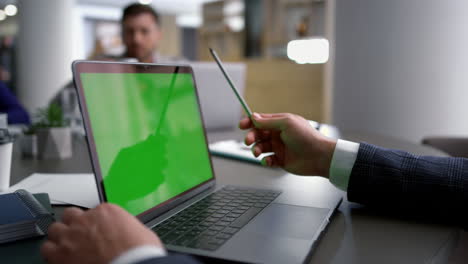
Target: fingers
[(256, 135), (271, 121), (272, 161), (71, 214), (273, 115), (262, 147), (49, 251), (265, 125), (250, 137), (245, 123), (107, 210), (268, 121), (56, 231)]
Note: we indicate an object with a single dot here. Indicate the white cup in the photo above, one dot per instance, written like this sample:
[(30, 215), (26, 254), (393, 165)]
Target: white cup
[(3, 120), (6, 149)]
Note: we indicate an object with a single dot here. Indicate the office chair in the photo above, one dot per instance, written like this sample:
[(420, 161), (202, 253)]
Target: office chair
[(454, 146)]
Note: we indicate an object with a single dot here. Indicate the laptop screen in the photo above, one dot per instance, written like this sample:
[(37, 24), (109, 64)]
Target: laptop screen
[(148, 136)]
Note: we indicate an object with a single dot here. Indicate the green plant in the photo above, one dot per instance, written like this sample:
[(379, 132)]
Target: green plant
[(31, 130), (51, 116)]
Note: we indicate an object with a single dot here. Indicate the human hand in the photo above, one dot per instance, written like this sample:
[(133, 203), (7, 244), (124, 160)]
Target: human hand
[(297, 146), (96, 236)]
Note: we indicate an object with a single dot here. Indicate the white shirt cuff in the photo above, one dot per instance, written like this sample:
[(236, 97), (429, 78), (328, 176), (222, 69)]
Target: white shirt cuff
[(138, 254), (343, 160)]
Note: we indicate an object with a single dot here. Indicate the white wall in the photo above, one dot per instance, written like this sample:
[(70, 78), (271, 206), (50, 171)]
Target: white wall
[(401, 67), (86, 15), (52, 33), (46, 45)]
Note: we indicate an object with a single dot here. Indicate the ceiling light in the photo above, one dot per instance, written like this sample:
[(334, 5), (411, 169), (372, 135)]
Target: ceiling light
[(313, 50), (2, 15), (11, 10), (235, 23), (145, 2), (189, 20)]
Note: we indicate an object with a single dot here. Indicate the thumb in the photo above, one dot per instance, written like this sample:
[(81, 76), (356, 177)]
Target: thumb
[(276, 122)]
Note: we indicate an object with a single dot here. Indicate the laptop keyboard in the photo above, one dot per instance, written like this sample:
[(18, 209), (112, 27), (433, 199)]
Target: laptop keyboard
[(212, 221)]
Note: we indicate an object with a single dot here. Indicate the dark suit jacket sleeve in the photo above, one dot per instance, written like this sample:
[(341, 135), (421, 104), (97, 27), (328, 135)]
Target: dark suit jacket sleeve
[(396, 179), (176, 258)]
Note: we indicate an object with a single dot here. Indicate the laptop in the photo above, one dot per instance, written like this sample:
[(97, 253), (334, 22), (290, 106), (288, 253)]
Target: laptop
[(219, 106), (150, 155)]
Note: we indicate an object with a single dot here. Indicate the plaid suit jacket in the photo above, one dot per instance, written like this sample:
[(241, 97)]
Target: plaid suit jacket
[(176, 258), (433, 186)]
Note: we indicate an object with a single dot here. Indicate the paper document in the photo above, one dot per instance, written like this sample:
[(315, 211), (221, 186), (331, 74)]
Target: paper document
[(235, 149), (75, 189)]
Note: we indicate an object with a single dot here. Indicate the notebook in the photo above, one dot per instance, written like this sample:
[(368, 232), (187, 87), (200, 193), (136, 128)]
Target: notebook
[(23, 216), (150, 156)]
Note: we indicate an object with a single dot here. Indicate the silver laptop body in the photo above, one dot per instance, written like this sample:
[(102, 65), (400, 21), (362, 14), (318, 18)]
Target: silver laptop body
[(285, 231)]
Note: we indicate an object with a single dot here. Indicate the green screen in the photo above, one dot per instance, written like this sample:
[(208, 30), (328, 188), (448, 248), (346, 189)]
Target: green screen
[(148, 135)]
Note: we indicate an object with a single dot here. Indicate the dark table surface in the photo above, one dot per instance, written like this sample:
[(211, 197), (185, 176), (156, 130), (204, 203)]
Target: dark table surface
[(355, 235)]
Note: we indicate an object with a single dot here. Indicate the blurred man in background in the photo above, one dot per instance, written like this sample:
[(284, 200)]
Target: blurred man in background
[(141, 34)]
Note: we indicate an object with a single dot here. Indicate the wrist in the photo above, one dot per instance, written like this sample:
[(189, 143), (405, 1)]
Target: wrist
[(327, 149)]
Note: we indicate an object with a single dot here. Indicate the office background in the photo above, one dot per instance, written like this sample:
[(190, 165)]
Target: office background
[(396, 67), (400, 67)]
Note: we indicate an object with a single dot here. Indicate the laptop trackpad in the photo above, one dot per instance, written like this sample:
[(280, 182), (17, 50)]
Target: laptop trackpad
[(286, 220)]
